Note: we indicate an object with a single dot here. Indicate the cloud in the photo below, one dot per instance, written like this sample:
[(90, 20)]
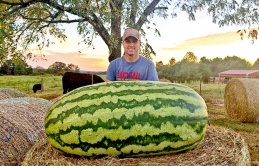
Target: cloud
[(209, 40), (68, 54)]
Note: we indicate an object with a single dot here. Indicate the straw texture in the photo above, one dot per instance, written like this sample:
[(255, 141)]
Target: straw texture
[(241, 99), (21, 121), (220, 147), (6, 93)]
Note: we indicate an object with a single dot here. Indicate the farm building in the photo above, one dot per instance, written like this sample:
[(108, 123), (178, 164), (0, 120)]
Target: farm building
[(240, 74), (225, 76)]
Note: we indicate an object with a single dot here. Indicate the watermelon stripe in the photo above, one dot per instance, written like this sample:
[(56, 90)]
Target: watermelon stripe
[(88, 93), (104, 117), (114, 121), (91, 136), (127, 119), (185, 102), (100, 152), (115, 98), (93, 91), (174, 142)]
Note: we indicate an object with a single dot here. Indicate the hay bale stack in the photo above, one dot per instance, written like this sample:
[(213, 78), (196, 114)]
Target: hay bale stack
[(220, 147), (6, 93), (241, 99), (22, 124)]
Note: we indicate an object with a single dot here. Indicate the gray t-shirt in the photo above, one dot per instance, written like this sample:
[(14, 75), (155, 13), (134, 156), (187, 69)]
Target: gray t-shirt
[(121, 70)]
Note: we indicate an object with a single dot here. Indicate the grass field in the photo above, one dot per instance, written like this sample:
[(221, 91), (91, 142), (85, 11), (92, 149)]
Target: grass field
[(52, 85), (213, 95)]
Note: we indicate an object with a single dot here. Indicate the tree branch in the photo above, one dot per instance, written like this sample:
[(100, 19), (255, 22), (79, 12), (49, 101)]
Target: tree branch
[(143, 18), (99, 27), (133, 11)]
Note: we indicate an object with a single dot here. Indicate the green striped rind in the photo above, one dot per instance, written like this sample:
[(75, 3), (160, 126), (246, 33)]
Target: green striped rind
[(127, 119)]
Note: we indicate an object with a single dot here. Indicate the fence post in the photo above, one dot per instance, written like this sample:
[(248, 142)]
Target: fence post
[(92, 78), (42, 85), (200, 86)]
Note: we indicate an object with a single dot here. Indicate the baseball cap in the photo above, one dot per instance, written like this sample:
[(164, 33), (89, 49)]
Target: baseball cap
[(131, 32)]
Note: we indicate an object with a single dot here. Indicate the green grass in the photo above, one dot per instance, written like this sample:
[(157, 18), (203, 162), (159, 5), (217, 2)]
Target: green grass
[(52, 85), (208, 91), (235, 125)]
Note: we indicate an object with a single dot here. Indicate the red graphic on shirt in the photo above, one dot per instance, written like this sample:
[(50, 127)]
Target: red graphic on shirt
[(128, 76)]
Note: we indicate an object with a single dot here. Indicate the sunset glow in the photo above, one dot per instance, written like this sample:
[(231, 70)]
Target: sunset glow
[(178, 36)]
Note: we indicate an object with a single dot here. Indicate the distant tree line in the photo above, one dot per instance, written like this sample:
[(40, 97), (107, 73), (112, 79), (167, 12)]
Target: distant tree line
[(57, 68), (19, 66), (15, 66), (190, 69)]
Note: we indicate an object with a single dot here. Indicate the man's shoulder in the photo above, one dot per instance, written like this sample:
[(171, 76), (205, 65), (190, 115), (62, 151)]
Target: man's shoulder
[(145, 59), (117, 60)]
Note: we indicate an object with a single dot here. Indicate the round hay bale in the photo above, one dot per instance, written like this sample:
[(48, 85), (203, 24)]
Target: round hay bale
[(6, 93), (220, 147), (241, 99), (22, 124)]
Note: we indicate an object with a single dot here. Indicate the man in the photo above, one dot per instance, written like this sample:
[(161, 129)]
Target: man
[(131, 66)]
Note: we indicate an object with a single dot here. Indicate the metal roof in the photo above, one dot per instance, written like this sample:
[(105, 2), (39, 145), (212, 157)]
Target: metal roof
[(238, 72)]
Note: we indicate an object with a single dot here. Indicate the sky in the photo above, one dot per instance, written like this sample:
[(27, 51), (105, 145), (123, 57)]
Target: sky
[(178, 36)]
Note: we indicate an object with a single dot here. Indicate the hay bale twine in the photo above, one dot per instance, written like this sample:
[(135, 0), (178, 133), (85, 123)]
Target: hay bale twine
[(22, 124), (241, 99), (6, 93), (220, 147)]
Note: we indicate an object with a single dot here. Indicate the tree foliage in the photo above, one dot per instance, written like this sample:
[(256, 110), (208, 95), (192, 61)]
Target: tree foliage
[(31, 22), (72, 67), (187, 71), (256, 64), (17, 65), (57, 67), (172, 61), (189, 56), (60, 67)]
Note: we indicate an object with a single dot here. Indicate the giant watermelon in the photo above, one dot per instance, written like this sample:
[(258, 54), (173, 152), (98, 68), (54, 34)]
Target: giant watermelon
[(127, 118)]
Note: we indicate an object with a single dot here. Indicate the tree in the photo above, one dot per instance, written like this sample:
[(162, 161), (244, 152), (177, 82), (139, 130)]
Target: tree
[(5, 38), (56, 67), (41, 18), (205, 72), (17, 65), (72, 67), (8, 43), (172, 61), (256, 64), (189, 56), (205, 60), (216, 66), (34, 21), (160, 63), (234, 62), (39, 70)]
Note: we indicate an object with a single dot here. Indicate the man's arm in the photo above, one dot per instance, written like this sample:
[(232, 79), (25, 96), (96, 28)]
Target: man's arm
[(111, 73), (152, 74)]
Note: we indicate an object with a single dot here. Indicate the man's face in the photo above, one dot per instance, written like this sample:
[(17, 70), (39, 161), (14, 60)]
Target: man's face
[(131, 46)]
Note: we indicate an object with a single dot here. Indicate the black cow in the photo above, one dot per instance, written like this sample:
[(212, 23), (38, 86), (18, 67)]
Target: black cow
[(71, 80), (36, 87)]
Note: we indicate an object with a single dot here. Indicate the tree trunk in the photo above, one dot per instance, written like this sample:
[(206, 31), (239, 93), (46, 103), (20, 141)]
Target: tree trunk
[(114, 43), (115, 53)]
